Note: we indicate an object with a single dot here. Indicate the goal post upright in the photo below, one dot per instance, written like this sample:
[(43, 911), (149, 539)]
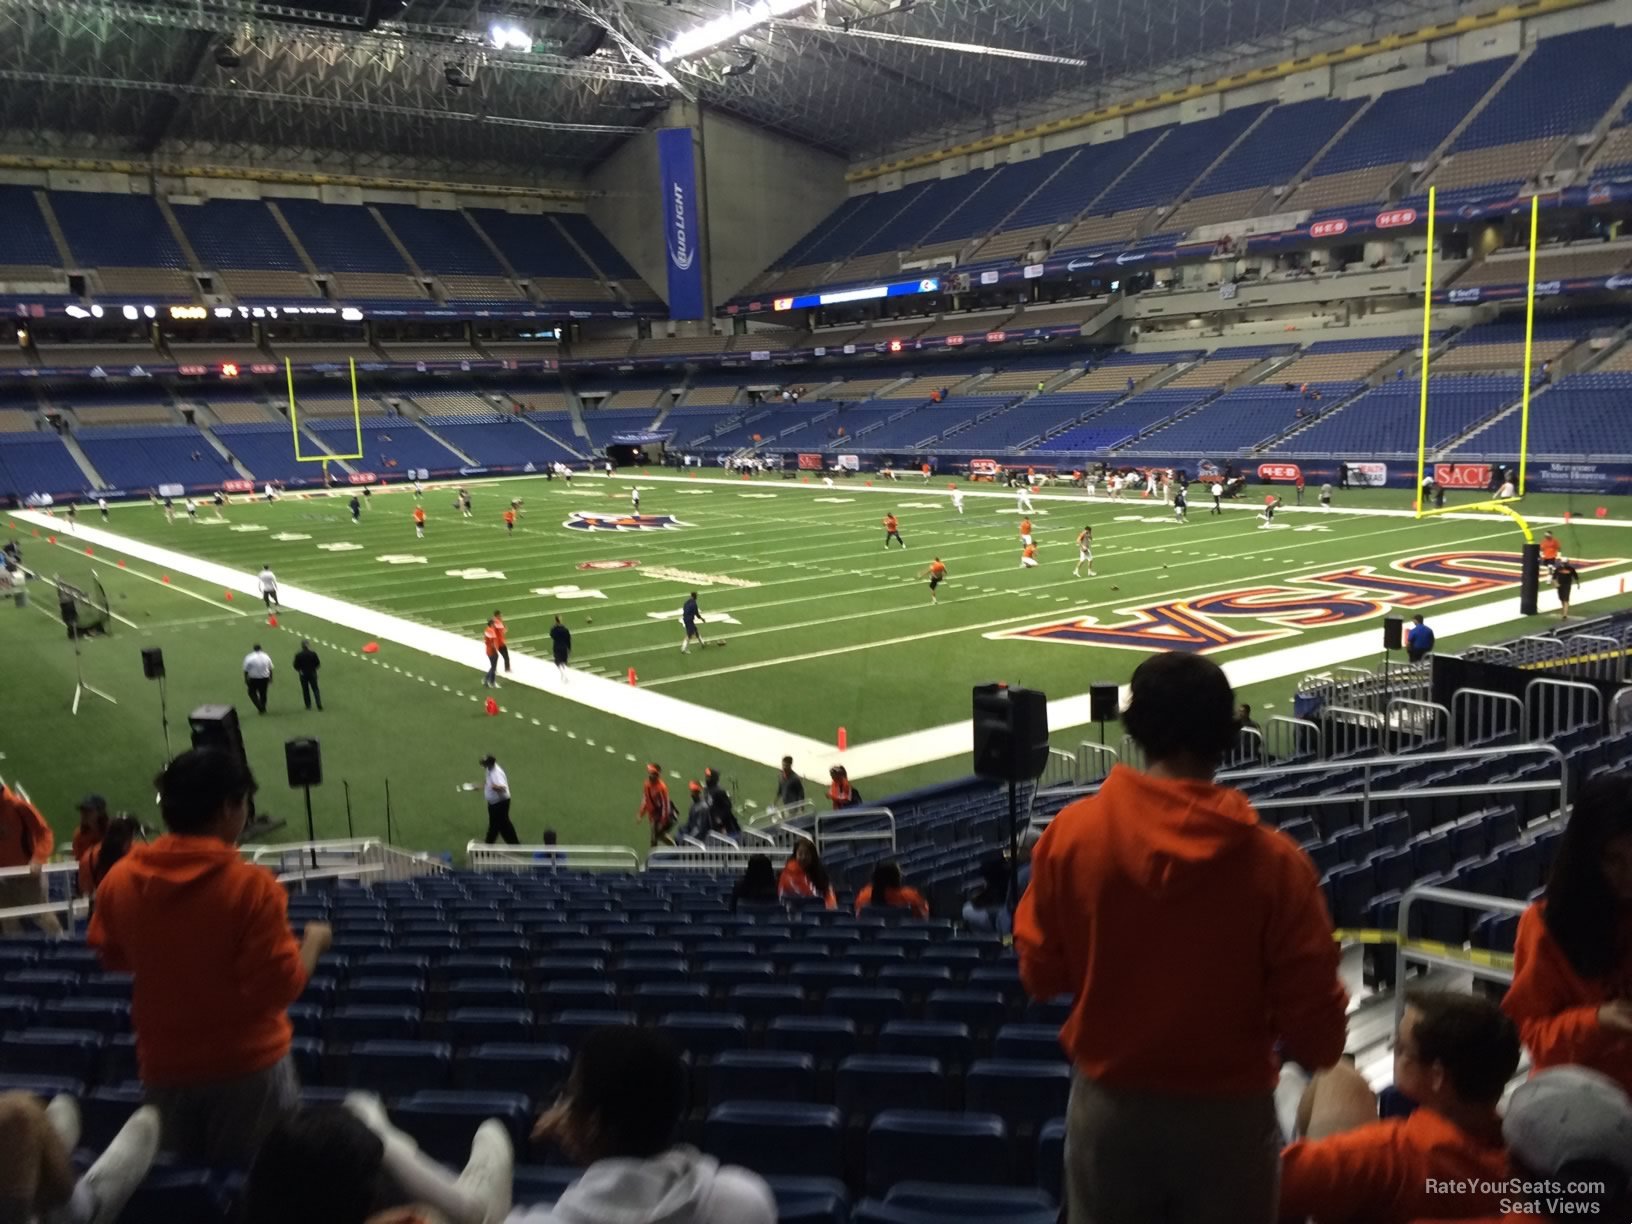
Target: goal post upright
[(1530, 568), (294, 417), (1427, 321)]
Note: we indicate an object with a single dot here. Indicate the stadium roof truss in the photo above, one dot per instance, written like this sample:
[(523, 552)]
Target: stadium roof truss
[(383, 84)]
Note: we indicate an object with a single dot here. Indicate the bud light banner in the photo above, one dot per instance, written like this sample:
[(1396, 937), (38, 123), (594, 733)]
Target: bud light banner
[(680, 222)]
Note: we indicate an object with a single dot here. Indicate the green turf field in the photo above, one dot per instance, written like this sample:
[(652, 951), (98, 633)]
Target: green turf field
[(812, 625)]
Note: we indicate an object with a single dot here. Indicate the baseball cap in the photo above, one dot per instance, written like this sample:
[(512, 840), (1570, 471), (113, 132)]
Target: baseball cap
[(1568, 1114), (694, 786), (93, 803)]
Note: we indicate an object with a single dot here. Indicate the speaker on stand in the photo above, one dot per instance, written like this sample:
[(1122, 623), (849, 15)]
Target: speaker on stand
[(1011, 745), (153, 669), (1104, 705), (1393, 639), (303, 759)]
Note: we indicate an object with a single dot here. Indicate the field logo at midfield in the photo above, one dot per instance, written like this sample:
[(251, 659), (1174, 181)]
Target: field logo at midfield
[(583, 520), (1204, 624)]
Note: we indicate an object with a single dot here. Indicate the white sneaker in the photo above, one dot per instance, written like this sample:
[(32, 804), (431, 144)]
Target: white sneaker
[(63, 1114), (490, 1175), (122, 1167)]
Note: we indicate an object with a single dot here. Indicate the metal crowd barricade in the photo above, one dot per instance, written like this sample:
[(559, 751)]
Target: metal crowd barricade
[(1059, 770), (1483, 716), (1353, 730), (1620, 709), (57, 887), (692, 858), (1248, 750), (301, 863), (1593, 657), (1556, 707), (1130, 753), (1293, 739), (1369, 797), (1094, 761), (1415, 725), (836, 828), (520, 860), (1409, 952)]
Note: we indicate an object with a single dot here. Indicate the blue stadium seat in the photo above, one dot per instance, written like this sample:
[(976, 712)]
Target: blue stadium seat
[(981, 1010), (393, 1068), (783, 1137), (1024, 1093), (537, 1070), (704, 1034), (70, 1053), (384, 992), (42, 984), (442, 1122), (654, 999), (352, 1024), (17, 1012), (1029, 1041), (946, 1040), (114, 986), (973, 1202), (761, 1075), (1051, 1158), (935, 1145), (1049, 1011), (559, 995), (869, 1008), (761, 1003), (867, 1084), (825, 1038), (818, 977), (470, 1025), (486, 992), (810, 1200), (572, 1026)]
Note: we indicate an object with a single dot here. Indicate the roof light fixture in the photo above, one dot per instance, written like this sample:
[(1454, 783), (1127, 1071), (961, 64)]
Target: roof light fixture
[(724, 28)]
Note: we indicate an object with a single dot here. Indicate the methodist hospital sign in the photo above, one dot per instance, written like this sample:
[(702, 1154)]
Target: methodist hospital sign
[(1222, 621)]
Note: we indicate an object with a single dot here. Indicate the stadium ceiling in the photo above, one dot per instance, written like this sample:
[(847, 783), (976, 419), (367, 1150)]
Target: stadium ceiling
[(399, 86)]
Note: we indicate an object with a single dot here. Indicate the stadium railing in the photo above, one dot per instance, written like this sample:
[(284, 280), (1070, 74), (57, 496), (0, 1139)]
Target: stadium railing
[(501, 858), (347, 858), (1410, 951), (59, 894)]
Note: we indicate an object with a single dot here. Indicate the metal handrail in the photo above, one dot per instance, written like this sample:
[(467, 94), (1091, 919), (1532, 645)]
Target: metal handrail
[(1088, 750), (686, 858), (1425, 710), (1292, 729), (305, 877), (848, 815), (1594, 702), (1405, 953), (1461, 699), (70, 906), (483, 857)]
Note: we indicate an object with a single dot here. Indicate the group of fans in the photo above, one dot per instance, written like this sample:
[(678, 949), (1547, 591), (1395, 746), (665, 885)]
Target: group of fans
[(712, 811)]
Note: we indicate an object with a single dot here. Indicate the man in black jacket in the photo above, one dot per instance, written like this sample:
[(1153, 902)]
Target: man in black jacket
[(790, 787), (306, 665), (721, 817)]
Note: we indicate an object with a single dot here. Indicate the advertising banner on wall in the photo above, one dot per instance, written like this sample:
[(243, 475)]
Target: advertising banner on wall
[(677, 165), (1368, 475)]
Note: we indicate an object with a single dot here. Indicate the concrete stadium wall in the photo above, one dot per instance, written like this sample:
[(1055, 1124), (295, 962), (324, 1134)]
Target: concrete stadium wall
[(626, 206), (763, 192)]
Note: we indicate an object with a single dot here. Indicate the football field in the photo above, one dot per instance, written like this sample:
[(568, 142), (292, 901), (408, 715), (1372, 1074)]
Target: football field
[(811, 625)]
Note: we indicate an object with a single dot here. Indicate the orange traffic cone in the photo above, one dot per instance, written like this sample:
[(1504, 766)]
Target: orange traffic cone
[(631, 677), (492, 707), (271, 620), (229, 596)]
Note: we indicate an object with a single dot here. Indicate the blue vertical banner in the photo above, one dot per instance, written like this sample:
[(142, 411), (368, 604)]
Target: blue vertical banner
[(681, 226)]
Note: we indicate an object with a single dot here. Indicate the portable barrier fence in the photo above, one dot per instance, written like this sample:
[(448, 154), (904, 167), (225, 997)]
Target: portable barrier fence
[(1490, 968), (522, 860), (1557, 707), (1484, 717), (302, 864)]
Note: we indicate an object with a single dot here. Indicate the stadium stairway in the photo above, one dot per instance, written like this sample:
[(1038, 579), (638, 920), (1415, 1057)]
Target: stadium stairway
[(220, 448), (71, 444)]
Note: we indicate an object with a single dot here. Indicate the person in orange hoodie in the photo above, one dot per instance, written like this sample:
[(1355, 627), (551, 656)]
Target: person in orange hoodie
[(503, 638), (206, 938), (93, 827), (1572, 961), (1453, 1056), (656, 808), (25, 841), (804, 876), (888, 892), (1193, 938)]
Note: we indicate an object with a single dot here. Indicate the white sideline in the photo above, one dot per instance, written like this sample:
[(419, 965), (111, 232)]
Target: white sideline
[(699, 724), (743, 737)]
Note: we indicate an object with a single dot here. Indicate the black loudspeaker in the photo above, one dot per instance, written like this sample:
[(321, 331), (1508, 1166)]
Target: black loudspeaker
[(1393, 633), (152, 662), (304, 759), (216, 726), (1011, 732), (1104, 702)]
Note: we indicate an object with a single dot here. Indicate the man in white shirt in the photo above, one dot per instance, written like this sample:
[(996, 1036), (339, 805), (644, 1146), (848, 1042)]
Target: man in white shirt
[(1218, 493), (957, 499), (269, 587), (496, 790), (258, 676), (102, 505)]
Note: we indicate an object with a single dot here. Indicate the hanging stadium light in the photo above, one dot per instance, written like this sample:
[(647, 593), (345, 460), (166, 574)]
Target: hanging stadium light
[(505, 36), (724, 29)]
